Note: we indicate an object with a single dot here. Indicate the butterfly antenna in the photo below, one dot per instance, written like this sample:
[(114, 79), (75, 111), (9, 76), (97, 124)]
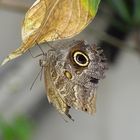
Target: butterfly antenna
[(49, 45), (36, 55), (40, 48), (31, 54), (36, 78)]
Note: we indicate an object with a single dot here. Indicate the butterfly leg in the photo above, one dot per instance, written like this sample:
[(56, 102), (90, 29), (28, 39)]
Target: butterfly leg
[(70, 117)]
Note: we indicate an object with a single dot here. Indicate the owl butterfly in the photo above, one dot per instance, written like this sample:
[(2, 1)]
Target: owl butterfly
[(72, 76)]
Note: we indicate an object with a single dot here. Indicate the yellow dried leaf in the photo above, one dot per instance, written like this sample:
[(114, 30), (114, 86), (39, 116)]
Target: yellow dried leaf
[(49, 20)]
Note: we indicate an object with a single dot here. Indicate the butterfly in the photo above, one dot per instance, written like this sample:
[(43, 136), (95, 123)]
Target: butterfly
[(72, 74)]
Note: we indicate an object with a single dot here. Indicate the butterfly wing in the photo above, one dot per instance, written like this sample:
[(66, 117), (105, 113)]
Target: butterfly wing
[(80, 97), (53, 95), (85, 66), (86, 102)]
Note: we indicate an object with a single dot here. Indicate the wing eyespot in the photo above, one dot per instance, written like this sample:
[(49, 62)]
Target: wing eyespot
[(81, 59)]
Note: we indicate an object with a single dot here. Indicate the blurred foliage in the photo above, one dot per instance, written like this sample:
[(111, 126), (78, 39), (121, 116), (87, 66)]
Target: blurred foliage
[(124, 21), (128, 10), (18, 129)]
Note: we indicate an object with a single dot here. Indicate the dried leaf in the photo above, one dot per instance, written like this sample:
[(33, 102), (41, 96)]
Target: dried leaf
[(49, 20)]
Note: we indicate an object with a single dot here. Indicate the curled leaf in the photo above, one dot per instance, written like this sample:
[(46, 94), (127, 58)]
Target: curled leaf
[(49, 20)]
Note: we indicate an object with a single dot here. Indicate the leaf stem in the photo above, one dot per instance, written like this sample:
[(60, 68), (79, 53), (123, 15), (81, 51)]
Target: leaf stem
[(14, 5)]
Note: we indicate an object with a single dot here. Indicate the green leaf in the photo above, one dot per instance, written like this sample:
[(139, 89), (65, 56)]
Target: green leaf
[(91, 5), (22, 128), (19, 129), (137, 12), (121, 8)]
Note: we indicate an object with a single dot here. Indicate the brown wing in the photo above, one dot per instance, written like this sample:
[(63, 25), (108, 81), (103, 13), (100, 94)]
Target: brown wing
[(81, 100), (52, 93)]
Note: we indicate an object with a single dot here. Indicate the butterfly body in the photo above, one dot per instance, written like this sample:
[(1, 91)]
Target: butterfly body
[(71, 77)]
